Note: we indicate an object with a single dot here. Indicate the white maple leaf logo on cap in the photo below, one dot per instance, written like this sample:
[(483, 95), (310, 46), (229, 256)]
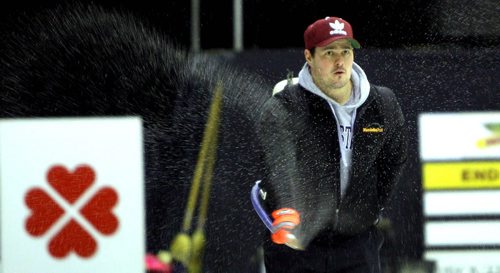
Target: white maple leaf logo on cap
[(338, 28)]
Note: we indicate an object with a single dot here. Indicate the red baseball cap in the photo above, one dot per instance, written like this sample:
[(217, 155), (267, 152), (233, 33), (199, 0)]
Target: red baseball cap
[(327, 30)]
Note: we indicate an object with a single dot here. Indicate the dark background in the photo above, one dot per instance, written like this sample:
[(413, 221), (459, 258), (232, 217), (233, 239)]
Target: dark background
[(280, 23)]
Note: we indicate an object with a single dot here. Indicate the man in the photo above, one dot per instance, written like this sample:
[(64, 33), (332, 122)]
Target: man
[(334, 147)]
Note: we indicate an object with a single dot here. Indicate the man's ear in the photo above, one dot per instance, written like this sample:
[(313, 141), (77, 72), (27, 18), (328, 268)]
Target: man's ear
[(308, 56)]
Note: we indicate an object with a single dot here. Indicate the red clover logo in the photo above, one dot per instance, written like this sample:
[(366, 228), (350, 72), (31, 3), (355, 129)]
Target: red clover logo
[(45, 211)]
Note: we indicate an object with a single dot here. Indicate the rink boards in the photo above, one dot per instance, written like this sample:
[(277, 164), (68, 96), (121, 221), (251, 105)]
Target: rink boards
[(460, 157)]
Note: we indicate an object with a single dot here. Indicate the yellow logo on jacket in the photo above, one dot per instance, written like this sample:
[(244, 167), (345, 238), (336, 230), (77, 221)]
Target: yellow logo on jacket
[(373, 128)]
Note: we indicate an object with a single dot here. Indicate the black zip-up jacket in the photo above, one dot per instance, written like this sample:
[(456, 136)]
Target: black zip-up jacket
[(299, 135)]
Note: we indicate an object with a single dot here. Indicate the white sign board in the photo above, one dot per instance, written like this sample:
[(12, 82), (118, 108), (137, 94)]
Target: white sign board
[(460, 155), (72, 195)]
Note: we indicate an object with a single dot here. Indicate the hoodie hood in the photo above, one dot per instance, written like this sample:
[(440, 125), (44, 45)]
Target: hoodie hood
[(361, 86)]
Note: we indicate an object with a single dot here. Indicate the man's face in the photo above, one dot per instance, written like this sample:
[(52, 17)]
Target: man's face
[(331, 65)]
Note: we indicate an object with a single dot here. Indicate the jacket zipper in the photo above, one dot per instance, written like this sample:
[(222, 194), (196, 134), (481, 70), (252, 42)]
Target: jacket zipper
[(337, 209)]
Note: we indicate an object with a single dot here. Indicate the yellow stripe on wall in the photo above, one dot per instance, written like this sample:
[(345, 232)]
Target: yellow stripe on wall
[(461, 175)]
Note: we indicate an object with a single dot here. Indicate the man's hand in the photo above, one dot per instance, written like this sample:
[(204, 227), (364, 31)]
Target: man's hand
[(285, 220)]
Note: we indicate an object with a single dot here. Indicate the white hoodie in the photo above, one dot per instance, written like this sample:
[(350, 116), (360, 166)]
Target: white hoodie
[(345, 115)]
